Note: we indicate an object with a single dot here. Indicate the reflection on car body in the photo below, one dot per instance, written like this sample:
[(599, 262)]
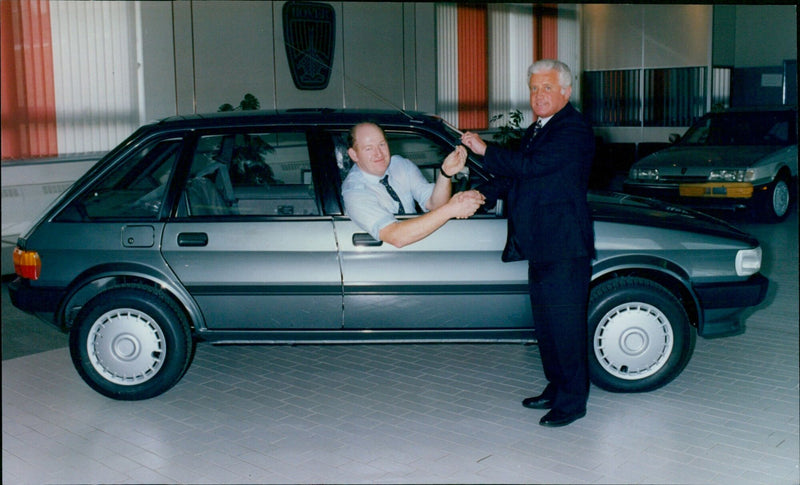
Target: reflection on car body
[(742, 158), (229, 228)]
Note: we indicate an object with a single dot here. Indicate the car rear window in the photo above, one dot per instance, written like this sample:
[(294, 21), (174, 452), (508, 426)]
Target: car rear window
[(250, 174), (131, 190)]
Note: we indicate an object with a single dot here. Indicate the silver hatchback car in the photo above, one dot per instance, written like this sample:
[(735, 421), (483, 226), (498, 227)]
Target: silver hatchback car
[(230, 229)]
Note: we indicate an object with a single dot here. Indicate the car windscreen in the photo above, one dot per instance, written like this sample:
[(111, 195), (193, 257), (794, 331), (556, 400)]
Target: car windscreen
[(742, 129)]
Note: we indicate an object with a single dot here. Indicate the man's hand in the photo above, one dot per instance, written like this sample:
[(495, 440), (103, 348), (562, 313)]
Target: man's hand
[(455, 162), (464, 204), (474, 143)]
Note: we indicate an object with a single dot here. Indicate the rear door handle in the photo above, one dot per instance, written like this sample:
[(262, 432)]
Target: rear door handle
[(192, 239), (364, 239)]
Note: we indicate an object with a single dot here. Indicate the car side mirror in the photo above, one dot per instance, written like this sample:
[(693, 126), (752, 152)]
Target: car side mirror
[(674, 138)]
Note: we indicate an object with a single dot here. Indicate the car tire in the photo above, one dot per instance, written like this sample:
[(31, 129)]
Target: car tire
[(640, 336), (131, 343), (774, 203)]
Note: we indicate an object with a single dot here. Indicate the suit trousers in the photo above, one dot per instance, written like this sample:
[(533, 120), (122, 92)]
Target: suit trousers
[(559, 292)]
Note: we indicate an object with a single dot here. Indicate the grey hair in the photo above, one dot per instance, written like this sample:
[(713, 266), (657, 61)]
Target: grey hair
[(564, 74)]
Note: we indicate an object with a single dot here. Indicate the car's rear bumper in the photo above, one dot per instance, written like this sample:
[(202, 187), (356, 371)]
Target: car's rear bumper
[(722, 305), (40, 301)]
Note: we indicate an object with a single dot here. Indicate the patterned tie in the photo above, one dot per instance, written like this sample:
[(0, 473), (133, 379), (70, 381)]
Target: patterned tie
[(393, 194), (534, 131), (536, 127)]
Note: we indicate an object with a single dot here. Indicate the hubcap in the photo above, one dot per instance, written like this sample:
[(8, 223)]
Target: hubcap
[(633, 341), (126, 346), (780, 198)]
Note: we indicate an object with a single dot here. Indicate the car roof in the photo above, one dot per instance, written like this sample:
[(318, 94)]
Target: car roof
[(755, 109), (324, 116)]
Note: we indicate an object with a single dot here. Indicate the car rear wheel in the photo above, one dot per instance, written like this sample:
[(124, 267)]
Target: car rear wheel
[(774, 204), (640, 335), (131, 343)]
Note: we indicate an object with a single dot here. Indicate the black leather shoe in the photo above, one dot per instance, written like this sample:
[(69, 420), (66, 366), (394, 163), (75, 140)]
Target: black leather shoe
[(538, 402), (556, 418)]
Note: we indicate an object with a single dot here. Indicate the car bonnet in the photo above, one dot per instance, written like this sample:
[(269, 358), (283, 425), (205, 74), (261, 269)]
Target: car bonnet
[(710, 157), (628, 209)]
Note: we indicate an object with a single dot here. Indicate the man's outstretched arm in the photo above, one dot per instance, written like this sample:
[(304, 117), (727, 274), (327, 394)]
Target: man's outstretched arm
[(408, 231)]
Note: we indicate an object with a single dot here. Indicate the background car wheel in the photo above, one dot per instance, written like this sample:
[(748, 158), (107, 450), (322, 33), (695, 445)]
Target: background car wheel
[(640, 336), (774, 204), (131, 343)]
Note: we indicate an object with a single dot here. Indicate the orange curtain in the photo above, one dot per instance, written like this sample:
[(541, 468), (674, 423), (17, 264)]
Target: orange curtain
[(545, 31), (26, 80), (473, 86)]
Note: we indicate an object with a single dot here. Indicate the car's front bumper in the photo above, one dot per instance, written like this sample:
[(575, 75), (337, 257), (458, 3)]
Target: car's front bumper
[(723, 303), (711, 195)]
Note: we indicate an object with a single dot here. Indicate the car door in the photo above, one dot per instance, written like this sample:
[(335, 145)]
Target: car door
[(451, 280), (248, 241)]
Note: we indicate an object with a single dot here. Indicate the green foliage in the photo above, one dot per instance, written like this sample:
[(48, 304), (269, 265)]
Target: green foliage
[(249, 102), (510, 133)]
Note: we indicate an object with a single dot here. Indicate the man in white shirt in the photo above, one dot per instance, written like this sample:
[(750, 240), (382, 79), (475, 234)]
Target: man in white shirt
[(380, 185)]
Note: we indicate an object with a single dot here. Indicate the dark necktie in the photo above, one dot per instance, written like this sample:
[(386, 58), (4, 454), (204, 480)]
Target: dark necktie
[(536, 127), (534, 131), (393, 194)]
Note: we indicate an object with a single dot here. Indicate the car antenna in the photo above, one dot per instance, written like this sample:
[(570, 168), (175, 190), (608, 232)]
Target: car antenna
[(371, 91)]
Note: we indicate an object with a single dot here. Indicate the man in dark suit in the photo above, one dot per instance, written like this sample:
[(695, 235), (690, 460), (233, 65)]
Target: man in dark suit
[(550, 226)]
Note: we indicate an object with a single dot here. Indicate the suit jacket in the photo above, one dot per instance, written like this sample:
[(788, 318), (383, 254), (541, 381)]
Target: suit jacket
[(546, 182)]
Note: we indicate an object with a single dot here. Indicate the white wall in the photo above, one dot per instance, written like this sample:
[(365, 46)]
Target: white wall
[(199, 55), (643, 37), (765, 35)]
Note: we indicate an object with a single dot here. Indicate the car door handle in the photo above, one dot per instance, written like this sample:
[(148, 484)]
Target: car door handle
[(364, 239), (192, 239)]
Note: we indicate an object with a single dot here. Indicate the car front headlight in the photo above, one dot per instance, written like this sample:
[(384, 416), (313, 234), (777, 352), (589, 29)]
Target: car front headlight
[(726, 175), (644, 174), (748, 261)]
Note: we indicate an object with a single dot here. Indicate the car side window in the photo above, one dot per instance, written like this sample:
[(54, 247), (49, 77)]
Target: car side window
[(426, 154), (133, 190), (250, 174)]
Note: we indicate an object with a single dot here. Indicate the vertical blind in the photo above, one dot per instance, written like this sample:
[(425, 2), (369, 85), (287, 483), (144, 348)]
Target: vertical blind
[(472, 75), (646, 97), (447, 56), (94, 61), (70, 76), (674, 97), (509, 58), (28, 98), (483, 57)]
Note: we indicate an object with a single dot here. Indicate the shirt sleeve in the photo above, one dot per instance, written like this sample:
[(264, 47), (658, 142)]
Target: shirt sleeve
[(362, 206)]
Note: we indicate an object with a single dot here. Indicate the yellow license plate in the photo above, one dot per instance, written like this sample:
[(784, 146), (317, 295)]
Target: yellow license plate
[(733, 190)]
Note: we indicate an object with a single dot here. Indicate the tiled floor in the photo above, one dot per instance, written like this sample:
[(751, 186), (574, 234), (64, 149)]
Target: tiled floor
[(419, 413)]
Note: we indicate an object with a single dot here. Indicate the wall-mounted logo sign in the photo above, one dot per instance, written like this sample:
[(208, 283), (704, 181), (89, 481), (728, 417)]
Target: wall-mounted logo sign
[(309, 30)]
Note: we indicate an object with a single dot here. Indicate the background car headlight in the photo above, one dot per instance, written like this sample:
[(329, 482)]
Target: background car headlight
[(644, 174), (726, 176), (748, 261)]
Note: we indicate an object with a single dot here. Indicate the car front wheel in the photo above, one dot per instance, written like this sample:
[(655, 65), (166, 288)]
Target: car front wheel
[(640, 335), (774, 204), (130, 343)]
